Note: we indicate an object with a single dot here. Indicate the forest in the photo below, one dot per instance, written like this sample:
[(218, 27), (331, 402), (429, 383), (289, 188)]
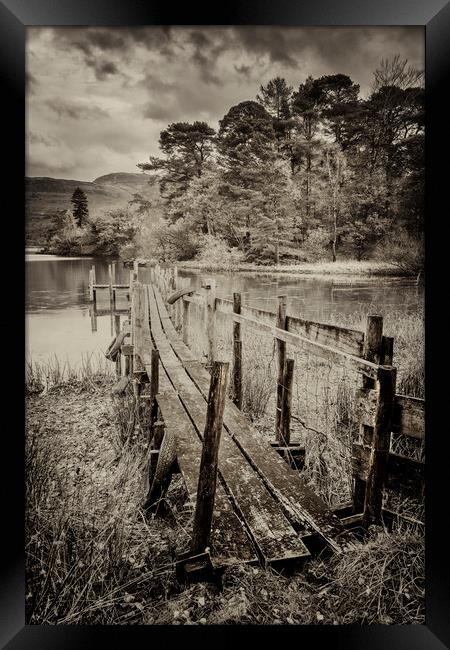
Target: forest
[(293, 175)]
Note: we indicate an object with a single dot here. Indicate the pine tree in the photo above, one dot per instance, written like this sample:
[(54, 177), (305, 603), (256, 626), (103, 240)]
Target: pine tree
[(80, 207)]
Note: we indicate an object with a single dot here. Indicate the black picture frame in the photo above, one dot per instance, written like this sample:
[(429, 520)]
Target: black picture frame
[(434, 16)]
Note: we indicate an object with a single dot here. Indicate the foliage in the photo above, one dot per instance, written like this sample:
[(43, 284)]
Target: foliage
[(295, 164), (403, 251), (213, 248)]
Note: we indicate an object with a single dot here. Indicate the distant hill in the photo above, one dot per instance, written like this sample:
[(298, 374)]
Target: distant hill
[(45, 197)]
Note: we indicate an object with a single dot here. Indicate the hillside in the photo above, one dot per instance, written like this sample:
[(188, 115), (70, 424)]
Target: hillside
[(44, 197)]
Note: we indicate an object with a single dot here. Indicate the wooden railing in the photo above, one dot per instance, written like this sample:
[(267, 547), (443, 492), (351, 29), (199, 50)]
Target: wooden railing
[(379, 412)]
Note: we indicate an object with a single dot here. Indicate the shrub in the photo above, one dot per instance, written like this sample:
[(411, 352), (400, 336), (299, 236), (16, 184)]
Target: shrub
[(214, 249), (315, 245), (403, 251)]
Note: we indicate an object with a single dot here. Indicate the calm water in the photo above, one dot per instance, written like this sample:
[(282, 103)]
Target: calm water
[(59, 321)]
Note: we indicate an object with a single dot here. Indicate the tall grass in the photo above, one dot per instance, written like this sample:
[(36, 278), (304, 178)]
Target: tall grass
[(42, 376)]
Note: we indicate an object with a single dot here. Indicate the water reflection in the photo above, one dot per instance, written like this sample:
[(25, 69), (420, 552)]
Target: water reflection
[(60, 319)]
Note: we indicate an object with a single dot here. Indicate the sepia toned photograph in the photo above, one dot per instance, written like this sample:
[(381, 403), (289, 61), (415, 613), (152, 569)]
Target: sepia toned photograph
[(225, 368)]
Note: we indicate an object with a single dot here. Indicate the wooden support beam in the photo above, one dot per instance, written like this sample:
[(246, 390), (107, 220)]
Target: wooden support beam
[(91, 286), (373, 502), (208, 465), (281, 358), (186, 321), (110, 277), (154, 386), (286, 402), (210, 287), (372, 351), (158, 434), (237, 353)]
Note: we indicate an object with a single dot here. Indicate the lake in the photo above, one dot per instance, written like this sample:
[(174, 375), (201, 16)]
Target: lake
[(58, 318)]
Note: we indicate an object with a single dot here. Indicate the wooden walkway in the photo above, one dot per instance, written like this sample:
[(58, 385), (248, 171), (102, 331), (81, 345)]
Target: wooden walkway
[(263, 509)]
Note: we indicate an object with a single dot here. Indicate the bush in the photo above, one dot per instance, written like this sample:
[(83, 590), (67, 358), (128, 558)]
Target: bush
[(214, 249), (403, 251), (315, 245)]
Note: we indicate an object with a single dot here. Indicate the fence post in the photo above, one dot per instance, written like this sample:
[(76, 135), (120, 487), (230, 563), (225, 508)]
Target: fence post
[(158, 434), (186, 315), (154, 386), (372, 349), (210, 286), (208, 465), (119, 355), (281, 358), (91, 286), (286, 404), (237, 353), (110, 283), (381, 438)]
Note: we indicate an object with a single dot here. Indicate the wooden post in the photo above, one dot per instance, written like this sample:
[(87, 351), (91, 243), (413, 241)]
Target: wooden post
[(94, 290), (387, 351), (91, 286), (154, 386), (158, 434), (208, 465), (93, 316), (119, 356), (210, 286), (186, 315), (286, 403), (113, 272), (372, 350), (281, 358), (110, 283), (379, 452), (237, 353), (94, 279)]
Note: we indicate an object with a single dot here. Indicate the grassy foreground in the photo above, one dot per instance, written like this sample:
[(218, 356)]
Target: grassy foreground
[(93, 558)]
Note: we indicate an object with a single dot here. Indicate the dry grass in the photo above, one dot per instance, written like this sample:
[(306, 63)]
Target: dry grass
[(345, 267)]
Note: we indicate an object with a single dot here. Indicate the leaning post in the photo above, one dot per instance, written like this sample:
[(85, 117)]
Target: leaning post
[(210, 287), (208, 465), (286, 402), (376, 474), (372, 351), (237, 353), (281, 358)]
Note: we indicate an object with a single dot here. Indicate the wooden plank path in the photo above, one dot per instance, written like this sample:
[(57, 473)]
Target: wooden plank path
[(305, 510), (263, 509)]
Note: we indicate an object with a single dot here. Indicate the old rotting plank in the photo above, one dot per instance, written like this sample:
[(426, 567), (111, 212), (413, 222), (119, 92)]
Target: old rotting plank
[(341, 338), (409, 416), (270, 531), (402, 472), (305, 509)]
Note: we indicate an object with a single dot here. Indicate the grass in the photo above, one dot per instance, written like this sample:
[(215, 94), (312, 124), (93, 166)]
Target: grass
[(42, 376), (345, 267)]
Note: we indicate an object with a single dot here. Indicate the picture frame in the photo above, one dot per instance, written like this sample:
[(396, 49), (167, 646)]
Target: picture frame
[(434, 16)]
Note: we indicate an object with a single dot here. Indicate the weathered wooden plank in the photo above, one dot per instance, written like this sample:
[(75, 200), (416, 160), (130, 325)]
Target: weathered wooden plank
[(335, 356), (409, 416), (402, 472), (341, 338), (270, 530), (300, 504), (186, 291)]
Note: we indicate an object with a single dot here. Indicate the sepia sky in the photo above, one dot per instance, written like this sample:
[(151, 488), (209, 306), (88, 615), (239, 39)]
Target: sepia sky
[(97, 98)]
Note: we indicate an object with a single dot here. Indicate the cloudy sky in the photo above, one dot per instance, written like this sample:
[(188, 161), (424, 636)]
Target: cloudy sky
[(97, 98)]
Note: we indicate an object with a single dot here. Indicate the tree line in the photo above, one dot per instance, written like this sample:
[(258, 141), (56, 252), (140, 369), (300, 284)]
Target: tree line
[(305, 173)]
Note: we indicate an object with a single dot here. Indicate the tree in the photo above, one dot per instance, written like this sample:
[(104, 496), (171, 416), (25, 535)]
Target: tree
[(276, 97), (185, 147), (80, 207), (338, 104)]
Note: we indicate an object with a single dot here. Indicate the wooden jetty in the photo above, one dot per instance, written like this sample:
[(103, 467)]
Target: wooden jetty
[(250, 505)]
